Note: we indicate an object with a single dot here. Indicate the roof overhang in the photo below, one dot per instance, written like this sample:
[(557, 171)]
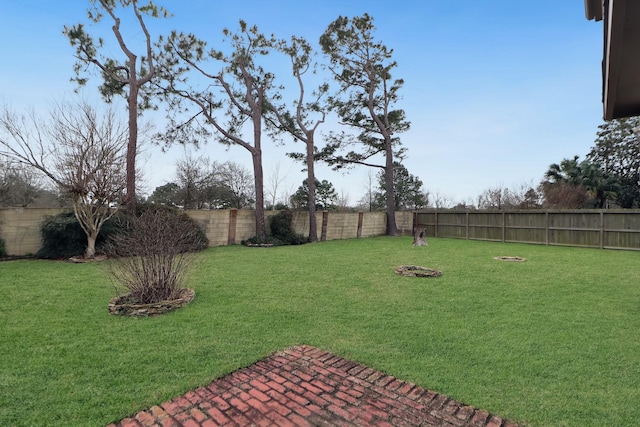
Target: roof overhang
[(593, 9), (621, 57)]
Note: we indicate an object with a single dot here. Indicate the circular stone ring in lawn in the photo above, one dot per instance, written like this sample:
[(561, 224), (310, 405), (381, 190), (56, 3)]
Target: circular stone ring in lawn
[(122, 306), (510, 258), (417, 271)]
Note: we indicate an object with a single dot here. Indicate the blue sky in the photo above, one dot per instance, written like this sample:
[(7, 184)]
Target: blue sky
[(496, 91)]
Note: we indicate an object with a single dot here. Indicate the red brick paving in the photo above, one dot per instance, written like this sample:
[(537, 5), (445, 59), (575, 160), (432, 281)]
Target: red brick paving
[(305, 386)]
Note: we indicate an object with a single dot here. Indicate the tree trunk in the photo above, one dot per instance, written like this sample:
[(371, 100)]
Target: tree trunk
[(392, 229), (132, 145), (91, 245), (259, 184), (419, 238), (311, 180)]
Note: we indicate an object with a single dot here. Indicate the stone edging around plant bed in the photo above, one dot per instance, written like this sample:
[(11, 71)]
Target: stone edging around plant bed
[(144, 310), (417, 271), (81, 259), (510, 258)]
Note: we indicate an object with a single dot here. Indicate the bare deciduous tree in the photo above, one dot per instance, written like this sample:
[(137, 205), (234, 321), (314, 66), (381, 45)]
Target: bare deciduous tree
[(366, 201), (494, 198), (192, 176), (274, 181), (440, 201), (563, 195), (81, 152), (22, 186), (155, 252), (205, 184), (499, 197), (239, 180), (343, 201)]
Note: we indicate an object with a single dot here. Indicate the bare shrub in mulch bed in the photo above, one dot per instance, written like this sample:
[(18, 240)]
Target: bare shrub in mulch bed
[(417, 271), (152, 256), (510, 258)]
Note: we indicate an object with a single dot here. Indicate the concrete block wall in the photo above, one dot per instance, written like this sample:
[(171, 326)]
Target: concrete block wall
[(20, 227), (300, 222), (404, 223), (373, 224), (342, 226), (214, 223)]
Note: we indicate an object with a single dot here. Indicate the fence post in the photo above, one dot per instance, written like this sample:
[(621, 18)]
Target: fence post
[(467, 224), (601, 230), (546, 233), (360, 218), (504, 226), (325, 220), (233, 220), (436, 225)]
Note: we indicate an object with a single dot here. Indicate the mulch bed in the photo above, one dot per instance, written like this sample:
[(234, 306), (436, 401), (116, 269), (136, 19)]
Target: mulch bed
[(510, 258), (82, 259), (417, 271), (122, 306)]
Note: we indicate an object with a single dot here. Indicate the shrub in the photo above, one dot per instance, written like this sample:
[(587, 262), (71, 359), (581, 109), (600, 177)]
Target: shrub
[(154, 251), (63, 237), (256, 241), (281, 232), (199, 239), (280, 225)]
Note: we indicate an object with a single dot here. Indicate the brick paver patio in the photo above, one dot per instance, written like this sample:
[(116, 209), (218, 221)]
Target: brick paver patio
[(305, 386)]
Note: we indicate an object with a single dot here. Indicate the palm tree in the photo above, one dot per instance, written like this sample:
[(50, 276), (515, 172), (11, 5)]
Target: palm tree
[(584, 176)]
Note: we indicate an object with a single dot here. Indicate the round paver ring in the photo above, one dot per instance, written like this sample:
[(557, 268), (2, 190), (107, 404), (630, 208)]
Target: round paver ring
[(510, 258), (417, 271)]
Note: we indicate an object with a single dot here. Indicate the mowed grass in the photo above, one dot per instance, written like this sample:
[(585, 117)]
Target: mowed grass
[(552, 341)]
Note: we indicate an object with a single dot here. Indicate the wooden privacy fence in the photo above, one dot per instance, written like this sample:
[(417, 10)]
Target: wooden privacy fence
[(605, 229)]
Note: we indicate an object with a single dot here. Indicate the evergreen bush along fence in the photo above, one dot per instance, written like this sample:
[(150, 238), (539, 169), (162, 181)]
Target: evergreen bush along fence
[(604, 229), (20, 227)]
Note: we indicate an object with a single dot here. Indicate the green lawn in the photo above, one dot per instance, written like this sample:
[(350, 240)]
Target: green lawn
[(553, 341)]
